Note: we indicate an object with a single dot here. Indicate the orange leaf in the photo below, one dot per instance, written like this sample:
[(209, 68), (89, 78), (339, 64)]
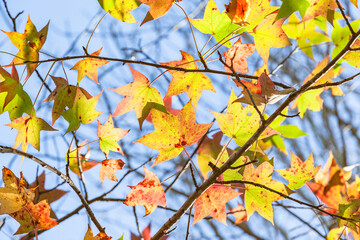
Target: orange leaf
[(145, 235), (14, 195), (167, 103), (236, 56), (99, 236), (239, 213), (173, 133), (238, 11), (109, 167), (212, 202), (193, 83), (88, 67), (158, 8), (139, 96), (29, 44), (34, 217), (108, 136), (148, 193), (319, 8)]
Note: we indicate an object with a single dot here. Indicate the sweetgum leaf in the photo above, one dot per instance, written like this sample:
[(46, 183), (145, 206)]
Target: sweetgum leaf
[(215, 23), (148, 193), (260, 199), (29, 44), (108, 136), (239, 213), (288, 7), (173, 133), (14, 195), (120, 9), (34, 217), (212, 202), (319, 8), (88, 67), (300, 172), (193, 83), (350, 209), (109, 167), (236, 56), (158, 8), (99, 236), (138, 96)]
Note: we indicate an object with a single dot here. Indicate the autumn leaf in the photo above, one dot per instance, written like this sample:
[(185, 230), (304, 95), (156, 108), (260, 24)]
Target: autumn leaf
[(29, 131), (168, 107), (100, 236), (29, 44), (109, 167), (138, 95), (88, 67), (263, 92), (215, 23), (15, 100), (34, 217), (311, 100), (238, 11), (173, 133), (148, 193), (239, 213), (240, 122), (193, 83), (288, 7), (260, 199), (108, 136), (212, 202), (63, 96), (352, 57), (300, 172), (269, 34), (145, 235), (120, 9), (236, 56), (350, 209), (82, 111), (72, 158), (319, 8), (14, 195), (158, 8)]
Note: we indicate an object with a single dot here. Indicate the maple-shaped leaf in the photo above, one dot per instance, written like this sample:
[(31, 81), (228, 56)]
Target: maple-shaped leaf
[(29, 44), (168, 107), (72, 158), (34, 217), (145, 235), (238, 11), (263, 92), (158, 8), (193, 83), (100, 236), (215, 23), (349, 208), (352, 57), (269, 34), (15, 99), (288, 7), (300, 172), (342, 233), (41, 193), (88, 67), (239, 213), (173, 133), (14, 195), (148, 193), (212, 202), (63, 96), (82, 111), (109, 167), (120, 9), (236, 56), (311, 100), (306, 33), (240, 122), (29, 131), (108, 136), (340, 36), (319, 8), (139, 96), (260, 199)]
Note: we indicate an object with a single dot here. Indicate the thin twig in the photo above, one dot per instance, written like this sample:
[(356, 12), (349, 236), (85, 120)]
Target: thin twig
[(13, 19), (345, 18), (332, 84)]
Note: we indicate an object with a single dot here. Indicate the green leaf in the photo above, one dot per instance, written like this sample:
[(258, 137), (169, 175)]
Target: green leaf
[(290, 6)]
